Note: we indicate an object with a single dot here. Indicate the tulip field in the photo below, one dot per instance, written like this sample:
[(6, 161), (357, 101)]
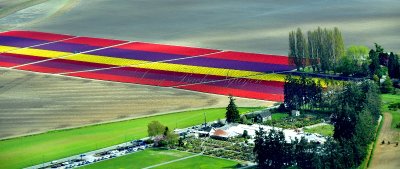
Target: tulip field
[(248, 75)]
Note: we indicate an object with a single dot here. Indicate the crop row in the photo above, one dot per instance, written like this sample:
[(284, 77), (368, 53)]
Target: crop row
[(206, 70)]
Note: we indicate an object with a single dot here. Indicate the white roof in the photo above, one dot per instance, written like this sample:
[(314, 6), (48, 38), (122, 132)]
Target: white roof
[(236, 130)]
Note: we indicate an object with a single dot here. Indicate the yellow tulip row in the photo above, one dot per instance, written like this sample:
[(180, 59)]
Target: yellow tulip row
[(104, 60), (151, 65), (40, 52), (196, 69), (219, 72), (281, 78), (7, 48)]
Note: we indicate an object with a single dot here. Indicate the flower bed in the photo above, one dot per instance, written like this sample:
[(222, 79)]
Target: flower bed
[(234, 149), (239, 74), (169, 49)]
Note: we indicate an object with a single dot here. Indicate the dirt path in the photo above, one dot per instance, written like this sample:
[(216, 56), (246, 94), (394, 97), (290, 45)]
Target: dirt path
[(386, 156)]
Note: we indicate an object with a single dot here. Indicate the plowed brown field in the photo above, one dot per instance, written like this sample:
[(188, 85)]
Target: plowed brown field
[(32, 103)]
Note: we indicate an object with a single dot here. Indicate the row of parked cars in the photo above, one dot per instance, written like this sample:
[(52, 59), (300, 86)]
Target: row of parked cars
[(85, 159)]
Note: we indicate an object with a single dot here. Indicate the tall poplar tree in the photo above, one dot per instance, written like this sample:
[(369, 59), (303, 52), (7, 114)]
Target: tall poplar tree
[(329, 50), (312, 50), (292, 49), (301, 47), (339, 49)]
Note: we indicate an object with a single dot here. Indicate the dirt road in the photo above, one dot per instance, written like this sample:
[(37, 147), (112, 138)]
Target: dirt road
[(386, 156)]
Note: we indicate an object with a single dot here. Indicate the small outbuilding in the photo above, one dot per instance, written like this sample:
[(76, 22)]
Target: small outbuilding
[(219, 134), (295, 113), (259, 116)]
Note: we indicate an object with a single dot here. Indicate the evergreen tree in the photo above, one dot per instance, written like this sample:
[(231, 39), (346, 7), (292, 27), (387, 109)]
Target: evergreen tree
[(344, 120), (259, 148), (387, 86), (304, 153), (371, 99), (271, 150), (332, 156), (166, 131), (347, 102), (382, 56), (364, 129), (378, 48), (393, 66), (170, 137), (348, 155), (374, 65), (292, 98), (232, 113)]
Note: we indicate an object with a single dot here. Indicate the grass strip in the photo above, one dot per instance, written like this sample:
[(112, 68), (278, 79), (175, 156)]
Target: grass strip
[(31, 150), (140, 159), (371, 153), (201, 162)]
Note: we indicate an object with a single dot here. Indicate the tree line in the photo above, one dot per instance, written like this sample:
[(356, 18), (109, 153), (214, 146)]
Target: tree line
[(301, 93), (321, 48), (356, 109)]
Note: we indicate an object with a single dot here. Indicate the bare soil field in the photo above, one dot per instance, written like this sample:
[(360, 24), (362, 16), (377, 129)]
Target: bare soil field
[(255, 26), (32, 102), (8, 7), (386, 155), (18, 13)]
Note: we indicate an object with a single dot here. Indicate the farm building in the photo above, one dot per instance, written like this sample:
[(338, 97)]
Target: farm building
[(295, 113), (235, 130), (259, 116)]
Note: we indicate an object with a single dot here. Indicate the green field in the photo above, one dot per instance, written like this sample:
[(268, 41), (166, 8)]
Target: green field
[(140, 159), (386, 100), (325, 130), (31, 150), (200, 162), (278, 116), (152, 157)]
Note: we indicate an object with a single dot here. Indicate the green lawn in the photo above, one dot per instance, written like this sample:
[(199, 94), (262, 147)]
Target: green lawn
[(26, 151), (278, 116), (140, 159), (325, 130), (386, 100), (201, 162), (152, 157)]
